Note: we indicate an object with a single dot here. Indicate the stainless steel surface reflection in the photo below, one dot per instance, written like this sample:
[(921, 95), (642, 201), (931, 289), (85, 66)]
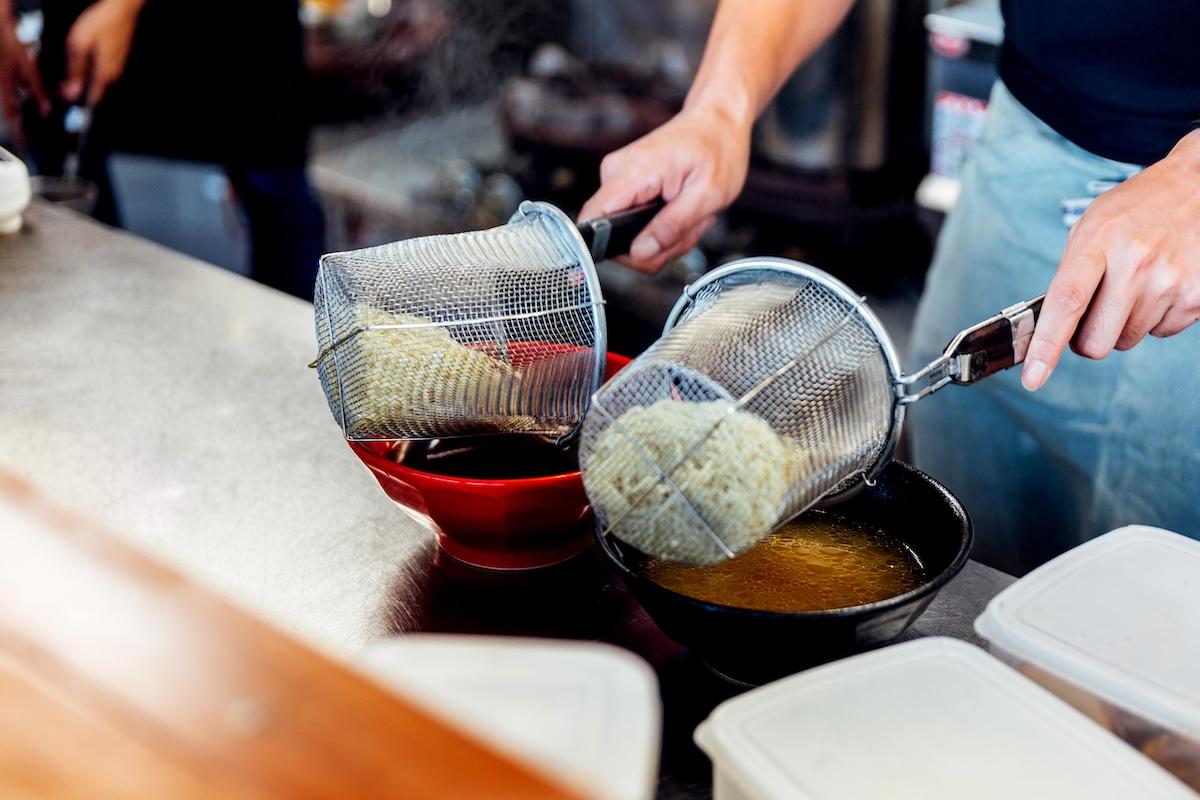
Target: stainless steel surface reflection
[(170, 402)]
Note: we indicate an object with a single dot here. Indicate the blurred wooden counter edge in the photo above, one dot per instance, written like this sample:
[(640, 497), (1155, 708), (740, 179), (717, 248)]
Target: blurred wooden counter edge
[(119, 678)]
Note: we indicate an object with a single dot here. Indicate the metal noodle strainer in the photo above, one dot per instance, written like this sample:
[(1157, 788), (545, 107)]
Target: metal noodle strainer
[(495, 331), (773, 387)]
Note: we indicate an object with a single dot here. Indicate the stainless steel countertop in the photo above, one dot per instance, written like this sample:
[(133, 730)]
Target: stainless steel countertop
[(170, 401)]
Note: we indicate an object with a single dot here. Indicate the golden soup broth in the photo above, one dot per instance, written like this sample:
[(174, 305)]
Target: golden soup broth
[(817, 562)]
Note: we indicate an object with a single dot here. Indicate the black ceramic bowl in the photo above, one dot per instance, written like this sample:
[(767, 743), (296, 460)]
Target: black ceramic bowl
[(754, 647)]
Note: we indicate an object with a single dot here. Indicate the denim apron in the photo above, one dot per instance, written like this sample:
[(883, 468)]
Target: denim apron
[(1103, 443)]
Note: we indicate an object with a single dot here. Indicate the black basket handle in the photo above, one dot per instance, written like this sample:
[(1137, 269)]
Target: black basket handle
[(613, 235)]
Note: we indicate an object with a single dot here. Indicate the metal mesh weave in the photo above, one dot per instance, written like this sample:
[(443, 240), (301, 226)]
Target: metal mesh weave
[(770, 393), (494, 331)]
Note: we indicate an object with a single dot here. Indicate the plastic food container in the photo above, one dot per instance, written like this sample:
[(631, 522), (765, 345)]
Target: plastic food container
[(925, 720), (586, 713), (14, 191), (1113, 627)]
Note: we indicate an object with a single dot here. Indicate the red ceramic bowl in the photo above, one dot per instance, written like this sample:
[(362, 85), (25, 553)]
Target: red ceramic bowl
[(518, 523)]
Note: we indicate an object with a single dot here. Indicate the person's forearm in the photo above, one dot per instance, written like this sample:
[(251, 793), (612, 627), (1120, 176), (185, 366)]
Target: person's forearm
[(754, 46), (697, 161)]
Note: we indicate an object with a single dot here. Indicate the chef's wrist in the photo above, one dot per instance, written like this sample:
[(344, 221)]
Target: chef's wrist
[(1187, 149), (733, 107)]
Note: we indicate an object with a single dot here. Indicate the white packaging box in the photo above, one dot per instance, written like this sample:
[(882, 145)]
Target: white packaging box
[(1113, 627), (588, 714), (931, 719)]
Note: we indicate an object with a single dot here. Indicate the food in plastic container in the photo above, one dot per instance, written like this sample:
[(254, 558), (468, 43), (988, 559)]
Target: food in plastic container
[(925, 720), (1113, 627), (584, 712)]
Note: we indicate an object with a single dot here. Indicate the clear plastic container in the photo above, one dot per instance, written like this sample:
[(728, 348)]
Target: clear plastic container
[(1113, 627), (586, 713), (925, 720)]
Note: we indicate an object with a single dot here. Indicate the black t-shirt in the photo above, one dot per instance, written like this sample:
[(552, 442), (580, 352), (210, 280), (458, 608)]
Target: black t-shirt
[(1119, 78), (218, 80)]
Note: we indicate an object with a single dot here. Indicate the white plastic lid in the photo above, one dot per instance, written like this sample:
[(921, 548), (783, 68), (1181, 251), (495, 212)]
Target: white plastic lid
[(15, 191), (587, 713), (1118, 616), (929, 719)]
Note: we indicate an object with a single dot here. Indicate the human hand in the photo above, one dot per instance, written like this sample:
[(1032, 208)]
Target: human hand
[(696, 162), (97, 48), (18, 74), (1131, 267)]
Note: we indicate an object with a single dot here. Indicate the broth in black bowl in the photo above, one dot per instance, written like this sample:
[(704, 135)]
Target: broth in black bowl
[(752, 646), (820, 561)]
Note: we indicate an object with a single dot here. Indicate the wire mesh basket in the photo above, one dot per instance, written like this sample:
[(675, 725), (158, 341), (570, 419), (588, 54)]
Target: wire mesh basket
[(768, 391), (495, 331), (774, 387)]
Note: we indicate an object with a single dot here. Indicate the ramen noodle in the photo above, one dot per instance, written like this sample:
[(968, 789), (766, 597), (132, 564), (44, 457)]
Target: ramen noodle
[(735, 481), (421, 373)]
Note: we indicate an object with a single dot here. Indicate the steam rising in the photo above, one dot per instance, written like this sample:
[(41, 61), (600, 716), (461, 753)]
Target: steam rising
[(485, 42)]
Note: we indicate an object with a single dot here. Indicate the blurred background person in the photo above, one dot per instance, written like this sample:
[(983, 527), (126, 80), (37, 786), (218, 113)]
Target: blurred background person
[(221, 82)]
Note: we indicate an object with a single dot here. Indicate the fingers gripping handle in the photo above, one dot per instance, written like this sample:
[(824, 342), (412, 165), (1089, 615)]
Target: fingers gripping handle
[(613, 235), (984, 349), (1023, 320)]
